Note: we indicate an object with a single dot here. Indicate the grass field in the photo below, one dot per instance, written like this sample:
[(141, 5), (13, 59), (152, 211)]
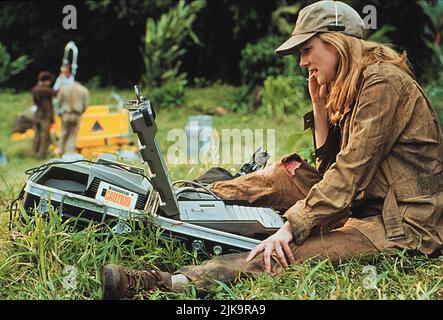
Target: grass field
[(40, 256)]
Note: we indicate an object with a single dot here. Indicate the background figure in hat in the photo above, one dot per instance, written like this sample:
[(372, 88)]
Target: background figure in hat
[(65, 77), (42, 95), (378, 183), (72, 101), (25, 120)]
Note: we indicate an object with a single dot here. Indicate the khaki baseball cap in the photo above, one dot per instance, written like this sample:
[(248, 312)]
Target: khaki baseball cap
[(323, 16)]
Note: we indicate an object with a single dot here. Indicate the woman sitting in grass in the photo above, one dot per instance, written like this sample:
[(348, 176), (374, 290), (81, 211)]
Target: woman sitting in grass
[(379, 178)]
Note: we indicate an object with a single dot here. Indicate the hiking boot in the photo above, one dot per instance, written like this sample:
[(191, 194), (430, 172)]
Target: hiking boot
[(119, 282)]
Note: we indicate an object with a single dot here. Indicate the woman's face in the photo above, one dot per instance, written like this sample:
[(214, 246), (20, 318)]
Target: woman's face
[(320, 58)]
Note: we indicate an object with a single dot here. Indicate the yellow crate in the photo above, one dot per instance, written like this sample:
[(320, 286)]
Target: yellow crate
[(101, 108), (98, 127), (17, 136)]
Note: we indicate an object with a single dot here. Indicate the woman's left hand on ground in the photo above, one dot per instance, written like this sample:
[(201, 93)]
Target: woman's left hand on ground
[(279, 242)]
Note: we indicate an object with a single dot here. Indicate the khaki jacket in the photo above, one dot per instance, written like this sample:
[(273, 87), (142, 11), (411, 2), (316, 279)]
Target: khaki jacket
[(382, 168), (73, 99)]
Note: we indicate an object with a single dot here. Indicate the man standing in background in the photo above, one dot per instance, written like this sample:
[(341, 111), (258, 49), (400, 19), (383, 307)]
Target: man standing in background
[(72, 101), (44, 115)]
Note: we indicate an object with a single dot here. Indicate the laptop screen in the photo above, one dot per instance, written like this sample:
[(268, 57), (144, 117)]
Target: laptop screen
[(143, 124)]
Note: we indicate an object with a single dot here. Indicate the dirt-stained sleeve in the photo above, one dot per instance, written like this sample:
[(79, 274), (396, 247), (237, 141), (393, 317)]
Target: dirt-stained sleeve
[(370, 139)]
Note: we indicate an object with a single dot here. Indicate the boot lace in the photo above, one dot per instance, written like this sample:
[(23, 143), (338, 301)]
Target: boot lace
[(145, 280)]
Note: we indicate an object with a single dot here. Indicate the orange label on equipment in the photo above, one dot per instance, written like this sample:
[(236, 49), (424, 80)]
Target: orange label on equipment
[(118, 198)]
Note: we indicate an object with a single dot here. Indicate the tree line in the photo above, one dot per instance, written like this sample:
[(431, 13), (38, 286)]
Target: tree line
[(110, 36)]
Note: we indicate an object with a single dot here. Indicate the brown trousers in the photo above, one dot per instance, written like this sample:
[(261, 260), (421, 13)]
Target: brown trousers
[(275, 187), (42, 137), (70, 128)]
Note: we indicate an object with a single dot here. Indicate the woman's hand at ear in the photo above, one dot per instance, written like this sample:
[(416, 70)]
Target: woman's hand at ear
[(279, 242)]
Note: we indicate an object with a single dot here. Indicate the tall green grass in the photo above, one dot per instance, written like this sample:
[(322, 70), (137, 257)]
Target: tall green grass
[(45, 253), (43, 247)]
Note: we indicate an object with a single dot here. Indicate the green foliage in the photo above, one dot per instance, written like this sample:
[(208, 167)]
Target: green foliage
[(308, 154), (163, 42), (260, 65), (434, 91), (225, 27), (171, 93), (433, 31), (8, 68), (238, 100), (283, 95), (433, 40), (247, 15), (434, 11), (94, 82), (380, 35), (200, 82), (258, 60), (279, 18), (134, 11)]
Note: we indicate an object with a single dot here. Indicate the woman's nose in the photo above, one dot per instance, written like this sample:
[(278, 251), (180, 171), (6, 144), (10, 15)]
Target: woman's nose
[(303, 61)]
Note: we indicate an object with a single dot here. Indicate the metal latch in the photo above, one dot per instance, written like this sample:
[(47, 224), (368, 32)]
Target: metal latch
[(43, 206), (121, 227)]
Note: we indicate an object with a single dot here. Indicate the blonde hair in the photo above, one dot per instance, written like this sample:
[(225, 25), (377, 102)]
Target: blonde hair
[(354, 55)]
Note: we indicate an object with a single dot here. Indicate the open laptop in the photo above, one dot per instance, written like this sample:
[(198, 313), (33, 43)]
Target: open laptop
[(105, 190), (197, 207)]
